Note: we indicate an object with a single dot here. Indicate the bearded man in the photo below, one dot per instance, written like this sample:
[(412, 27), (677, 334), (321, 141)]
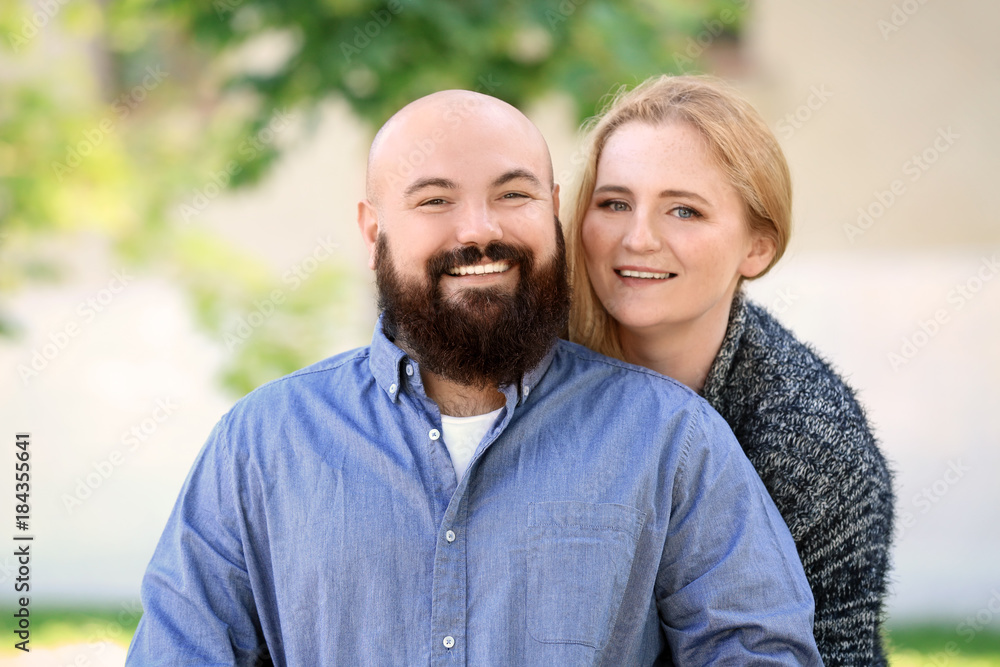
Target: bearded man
[(470, 489)]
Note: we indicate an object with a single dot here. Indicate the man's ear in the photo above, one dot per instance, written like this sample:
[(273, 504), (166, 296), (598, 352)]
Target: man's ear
[(759, 255), (555, 199), (368, 224)]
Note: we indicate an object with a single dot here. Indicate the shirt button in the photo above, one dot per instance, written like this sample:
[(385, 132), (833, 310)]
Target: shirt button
[(392, 388), (434, 434), (449, 641), (409, 369), (527, 390), (450, 536)]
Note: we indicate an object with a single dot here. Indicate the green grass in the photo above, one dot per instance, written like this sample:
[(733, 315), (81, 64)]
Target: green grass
[(917, 645), (57, 627), (940, 645)]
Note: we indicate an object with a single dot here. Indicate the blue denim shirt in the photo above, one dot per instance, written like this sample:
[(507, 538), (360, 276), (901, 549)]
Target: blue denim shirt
[(607, 517)]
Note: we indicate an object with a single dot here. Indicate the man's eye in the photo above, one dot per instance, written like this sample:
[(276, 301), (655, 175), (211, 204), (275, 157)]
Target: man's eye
[(515, 195), (616, 205), (437, 201)]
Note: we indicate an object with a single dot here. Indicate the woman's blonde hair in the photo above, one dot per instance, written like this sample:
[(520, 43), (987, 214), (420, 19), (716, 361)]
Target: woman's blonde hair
[(741, 142)]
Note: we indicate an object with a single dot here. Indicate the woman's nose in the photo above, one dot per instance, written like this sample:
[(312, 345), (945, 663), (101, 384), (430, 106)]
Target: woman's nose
[(641, 237)]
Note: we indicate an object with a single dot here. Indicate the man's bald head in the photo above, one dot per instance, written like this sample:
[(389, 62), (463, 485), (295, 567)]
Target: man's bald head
[(415, 132)]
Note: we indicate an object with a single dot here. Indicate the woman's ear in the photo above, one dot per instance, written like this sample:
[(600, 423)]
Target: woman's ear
[(759, 256)]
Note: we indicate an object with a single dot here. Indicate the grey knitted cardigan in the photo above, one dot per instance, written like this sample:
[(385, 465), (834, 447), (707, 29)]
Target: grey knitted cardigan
[(806, 435)]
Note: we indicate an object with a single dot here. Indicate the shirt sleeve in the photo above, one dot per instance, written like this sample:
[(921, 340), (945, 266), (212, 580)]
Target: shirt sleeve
[(198, 606), (731, 589)]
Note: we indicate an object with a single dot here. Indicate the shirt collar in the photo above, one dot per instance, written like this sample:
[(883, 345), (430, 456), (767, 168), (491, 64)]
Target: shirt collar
[(534, 376), (388, 363)]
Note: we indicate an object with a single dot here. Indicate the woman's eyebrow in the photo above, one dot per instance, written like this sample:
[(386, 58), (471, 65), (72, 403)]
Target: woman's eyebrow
[(665, 194), (683, 193), (620, 189)]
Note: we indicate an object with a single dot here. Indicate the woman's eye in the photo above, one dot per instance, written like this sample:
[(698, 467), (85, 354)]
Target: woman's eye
[(615, 205), (686, 212)]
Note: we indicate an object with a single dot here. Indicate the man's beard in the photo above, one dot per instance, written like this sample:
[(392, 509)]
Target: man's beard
[(479, 337)]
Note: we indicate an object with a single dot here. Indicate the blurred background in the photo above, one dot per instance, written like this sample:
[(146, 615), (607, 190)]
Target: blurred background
[(178, 187)]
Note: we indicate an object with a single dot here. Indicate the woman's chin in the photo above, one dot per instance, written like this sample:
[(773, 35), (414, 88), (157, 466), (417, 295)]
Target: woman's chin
[(644, 324)]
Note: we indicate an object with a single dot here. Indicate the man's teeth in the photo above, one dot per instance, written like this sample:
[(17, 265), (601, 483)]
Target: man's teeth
[(625, 273), (495, 267)]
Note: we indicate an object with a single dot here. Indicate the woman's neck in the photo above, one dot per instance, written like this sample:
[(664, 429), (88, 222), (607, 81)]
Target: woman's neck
[(684, 352)]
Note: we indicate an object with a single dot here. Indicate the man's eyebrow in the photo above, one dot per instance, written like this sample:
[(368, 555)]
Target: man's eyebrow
[(416, 186), (515, 174)]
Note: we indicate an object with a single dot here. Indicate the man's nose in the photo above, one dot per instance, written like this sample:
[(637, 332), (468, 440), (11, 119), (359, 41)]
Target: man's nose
[(478, 224)]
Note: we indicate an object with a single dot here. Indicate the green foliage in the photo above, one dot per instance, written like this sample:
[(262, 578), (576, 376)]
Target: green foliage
[(380, 55), (115, 115)]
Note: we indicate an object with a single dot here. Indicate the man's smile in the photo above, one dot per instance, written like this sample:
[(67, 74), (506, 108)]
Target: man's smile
[(479, 269)]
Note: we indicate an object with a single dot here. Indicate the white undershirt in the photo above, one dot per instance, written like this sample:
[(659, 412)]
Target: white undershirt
[(462, 436)]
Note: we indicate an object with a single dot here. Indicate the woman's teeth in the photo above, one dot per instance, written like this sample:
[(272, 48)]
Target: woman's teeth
[(626, 273)]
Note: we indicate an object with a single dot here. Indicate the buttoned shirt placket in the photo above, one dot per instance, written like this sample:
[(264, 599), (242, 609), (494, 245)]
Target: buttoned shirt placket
[(449, 597)]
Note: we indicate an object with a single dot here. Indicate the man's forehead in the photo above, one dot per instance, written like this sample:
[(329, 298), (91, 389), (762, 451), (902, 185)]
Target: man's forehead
[(452, 135), (458, 166)]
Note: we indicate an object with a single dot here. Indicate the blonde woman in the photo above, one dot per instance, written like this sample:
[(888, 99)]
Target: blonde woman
[(685, 195)]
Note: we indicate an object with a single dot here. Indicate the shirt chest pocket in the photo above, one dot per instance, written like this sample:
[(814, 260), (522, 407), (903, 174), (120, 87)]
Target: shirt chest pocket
[(579, 559)]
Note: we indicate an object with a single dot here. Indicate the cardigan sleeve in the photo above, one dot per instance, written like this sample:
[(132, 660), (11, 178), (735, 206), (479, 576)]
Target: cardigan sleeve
[(833, 488), (807, 436)]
